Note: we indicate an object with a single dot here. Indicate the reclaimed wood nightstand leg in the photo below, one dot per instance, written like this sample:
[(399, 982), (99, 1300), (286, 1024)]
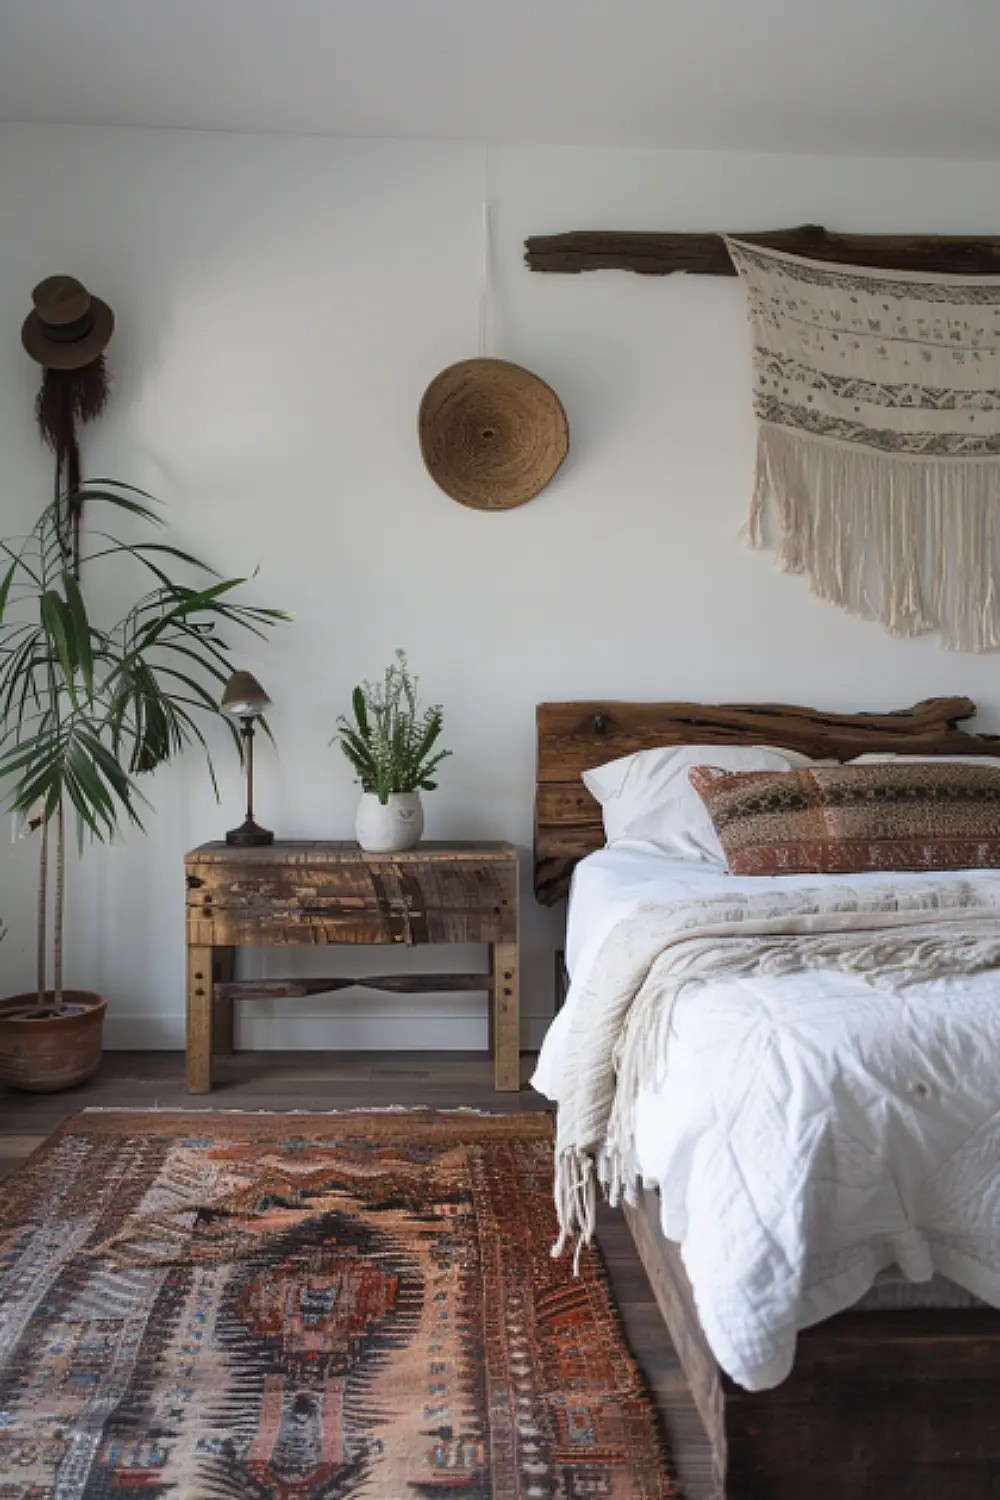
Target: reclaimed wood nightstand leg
[(223, 1033), (199, 1020), (506, 1030)]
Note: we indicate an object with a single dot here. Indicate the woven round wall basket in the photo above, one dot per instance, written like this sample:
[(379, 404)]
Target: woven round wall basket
[(491, 433)]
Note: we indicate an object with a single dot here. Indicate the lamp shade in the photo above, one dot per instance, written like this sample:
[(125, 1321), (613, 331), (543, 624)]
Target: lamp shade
[(244, 698)]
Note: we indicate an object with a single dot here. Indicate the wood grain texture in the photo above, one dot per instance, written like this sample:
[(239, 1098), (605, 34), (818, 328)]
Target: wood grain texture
[(901, 1405), (575, 737), (705, 254), (199, 1018), (324, 893), (346, 852), (675, 1300), (394, 984), (506, 1016)]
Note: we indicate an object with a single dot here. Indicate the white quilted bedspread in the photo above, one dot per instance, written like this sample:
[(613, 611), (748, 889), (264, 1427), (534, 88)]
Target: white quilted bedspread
[(810, 1130)]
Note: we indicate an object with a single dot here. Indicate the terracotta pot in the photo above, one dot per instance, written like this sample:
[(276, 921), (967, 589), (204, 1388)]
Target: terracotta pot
[(42, 1054)]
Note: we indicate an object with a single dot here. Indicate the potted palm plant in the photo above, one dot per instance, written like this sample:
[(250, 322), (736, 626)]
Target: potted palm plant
[(392, 747), (86, 709)]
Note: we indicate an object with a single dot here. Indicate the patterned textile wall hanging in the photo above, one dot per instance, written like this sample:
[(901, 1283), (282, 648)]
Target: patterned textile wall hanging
[(878, 400)]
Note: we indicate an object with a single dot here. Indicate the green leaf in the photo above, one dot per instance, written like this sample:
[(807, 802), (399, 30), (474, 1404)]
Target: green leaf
[(22, 565), (19, 670), (434, 761), (430, 735), (94, 492), (81, 630), (140, 552), (206, 662), (120, 485), (360, 711), (5, 587), (58, 628)]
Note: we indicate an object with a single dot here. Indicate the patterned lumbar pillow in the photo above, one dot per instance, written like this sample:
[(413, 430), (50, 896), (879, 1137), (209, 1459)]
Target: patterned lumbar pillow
[(830, 821)]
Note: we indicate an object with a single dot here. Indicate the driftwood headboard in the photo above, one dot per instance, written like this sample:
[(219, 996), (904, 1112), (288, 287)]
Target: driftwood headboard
[(573, 737)]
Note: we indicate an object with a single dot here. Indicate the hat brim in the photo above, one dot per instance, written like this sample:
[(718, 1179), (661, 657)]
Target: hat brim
[(60, 356), (492, 434)]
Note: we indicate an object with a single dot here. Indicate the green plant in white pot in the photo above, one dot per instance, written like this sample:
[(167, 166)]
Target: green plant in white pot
[(392, 746), (86, 709)]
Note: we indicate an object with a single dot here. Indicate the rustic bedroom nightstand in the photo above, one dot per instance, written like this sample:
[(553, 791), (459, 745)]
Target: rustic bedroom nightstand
[(323, 893)]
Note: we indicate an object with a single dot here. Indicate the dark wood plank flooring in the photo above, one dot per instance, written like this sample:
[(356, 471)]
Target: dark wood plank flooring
[(320, 1081)]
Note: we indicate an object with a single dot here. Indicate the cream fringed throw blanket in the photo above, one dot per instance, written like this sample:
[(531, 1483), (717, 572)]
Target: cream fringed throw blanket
[(618, 1039), (878, 399)]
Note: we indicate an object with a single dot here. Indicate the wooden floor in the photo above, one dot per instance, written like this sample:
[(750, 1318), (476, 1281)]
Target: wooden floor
[(278, 1080)]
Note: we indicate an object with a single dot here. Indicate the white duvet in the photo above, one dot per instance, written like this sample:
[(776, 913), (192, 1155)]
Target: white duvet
[(810, 1130)]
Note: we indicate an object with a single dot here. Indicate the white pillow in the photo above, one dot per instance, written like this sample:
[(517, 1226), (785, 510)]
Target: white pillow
[(648, 795)]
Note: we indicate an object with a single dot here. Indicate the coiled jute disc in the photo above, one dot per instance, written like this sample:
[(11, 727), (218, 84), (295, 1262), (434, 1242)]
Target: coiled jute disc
[(491, 433)]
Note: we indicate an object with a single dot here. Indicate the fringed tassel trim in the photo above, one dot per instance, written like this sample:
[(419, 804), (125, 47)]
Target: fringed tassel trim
[(576, 1203), (907, 541)]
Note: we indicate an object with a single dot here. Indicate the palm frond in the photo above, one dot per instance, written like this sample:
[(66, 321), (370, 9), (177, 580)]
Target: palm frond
[(86, 709)]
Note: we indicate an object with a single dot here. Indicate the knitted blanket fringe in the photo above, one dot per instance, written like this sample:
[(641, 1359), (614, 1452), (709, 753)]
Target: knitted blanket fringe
[(908, 542), (618, 1041)]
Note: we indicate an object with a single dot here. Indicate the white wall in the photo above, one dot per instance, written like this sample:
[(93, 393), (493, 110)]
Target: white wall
[(282, 302)]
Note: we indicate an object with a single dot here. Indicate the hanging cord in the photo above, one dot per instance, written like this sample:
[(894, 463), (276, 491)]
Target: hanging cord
[(485, 290), (486, 302)]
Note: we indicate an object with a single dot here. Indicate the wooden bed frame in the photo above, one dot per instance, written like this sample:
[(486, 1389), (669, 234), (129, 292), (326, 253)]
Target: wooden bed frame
[(881, 1405)]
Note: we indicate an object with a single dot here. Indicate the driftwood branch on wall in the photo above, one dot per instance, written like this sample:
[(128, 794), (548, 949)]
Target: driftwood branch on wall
[(654, 254)]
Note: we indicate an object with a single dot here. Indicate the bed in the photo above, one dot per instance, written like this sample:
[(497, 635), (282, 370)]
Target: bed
[(890, 1397)]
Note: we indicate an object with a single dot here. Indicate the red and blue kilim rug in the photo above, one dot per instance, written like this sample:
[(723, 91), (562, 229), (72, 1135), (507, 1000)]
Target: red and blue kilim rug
[(199, 1306)]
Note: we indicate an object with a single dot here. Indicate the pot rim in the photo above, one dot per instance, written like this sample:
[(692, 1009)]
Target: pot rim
[(89, 1001), (414, 793)]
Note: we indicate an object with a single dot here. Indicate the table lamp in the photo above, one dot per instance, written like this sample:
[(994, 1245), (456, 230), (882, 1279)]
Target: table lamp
[(246, 700)]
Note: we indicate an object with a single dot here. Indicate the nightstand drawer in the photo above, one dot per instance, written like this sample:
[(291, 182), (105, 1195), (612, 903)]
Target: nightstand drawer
[(370, 900)]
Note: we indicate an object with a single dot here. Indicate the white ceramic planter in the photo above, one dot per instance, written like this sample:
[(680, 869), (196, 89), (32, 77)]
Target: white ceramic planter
[(390, 828)]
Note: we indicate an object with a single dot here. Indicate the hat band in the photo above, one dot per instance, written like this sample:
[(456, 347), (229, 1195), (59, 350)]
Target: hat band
[(69, 333)]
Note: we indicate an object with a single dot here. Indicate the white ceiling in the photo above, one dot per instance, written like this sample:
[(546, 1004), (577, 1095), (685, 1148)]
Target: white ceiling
[(911, 77)]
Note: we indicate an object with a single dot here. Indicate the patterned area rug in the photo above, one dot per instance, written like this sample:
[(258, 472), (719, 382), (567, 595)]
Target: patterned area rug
[(201, 1306)]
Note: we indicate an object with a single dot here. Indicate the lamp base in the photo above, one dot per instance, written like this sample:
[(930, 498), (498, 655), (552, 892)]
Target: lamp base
[(249, 835)]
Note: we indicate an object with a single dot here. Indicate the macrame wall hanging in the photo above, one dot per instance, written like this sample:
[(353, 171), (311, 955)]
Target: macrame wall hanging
[(877, 392), (877, 395), (67, 332)]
